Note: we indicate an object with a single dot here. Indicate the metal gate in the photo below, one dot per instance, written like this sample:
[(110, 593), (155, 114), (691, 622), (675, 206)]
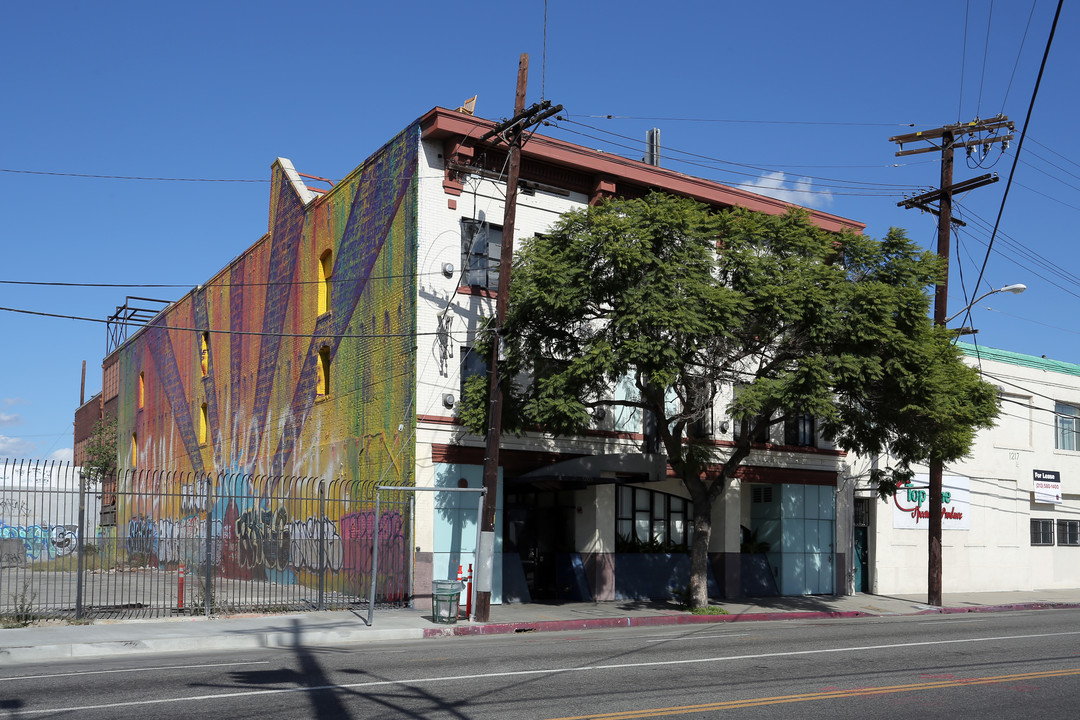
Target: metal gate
[(165, 543)]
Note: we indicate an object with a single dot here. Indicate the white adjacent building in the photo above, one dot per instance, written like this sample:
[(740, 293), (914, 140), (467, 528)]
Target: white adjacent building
[(1012, 511)]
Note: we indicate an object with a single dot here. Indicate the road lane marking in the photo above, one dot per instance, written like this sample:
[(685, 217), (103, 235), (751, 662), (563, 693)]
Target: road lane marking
[(680, 638), (525, 673), (131, 670), (828, 695)]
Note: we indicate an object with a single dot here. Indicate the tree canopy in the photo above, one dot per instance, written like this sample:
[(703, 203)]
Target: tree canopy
[(684, 300), (101, 457)]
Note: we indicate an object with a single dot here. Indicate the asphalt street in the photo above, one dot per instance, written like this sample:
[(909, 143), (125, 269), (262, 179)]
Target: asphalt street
[(996, 665)]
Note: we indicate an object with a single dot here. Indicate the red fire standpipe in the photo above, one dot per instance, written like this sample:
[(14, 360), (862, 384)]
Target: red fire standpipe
[(460, 577), (468, 595)]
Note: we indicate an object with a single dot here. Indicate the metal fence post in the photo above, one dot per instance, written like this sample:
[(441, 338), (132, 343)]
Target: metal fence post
[(374, 561), (476, 553), (412, 548), (322, 542), (79, 548), (207, 592)]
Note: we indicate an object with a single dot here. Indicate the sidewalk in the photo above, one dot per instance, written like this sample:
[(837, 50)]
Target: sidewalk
[(315, 629)]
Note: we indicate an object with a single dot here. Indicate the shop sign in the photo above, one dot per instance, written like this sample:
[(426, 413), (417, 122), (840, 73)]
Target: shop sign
[(1047, 486), (911, 504)]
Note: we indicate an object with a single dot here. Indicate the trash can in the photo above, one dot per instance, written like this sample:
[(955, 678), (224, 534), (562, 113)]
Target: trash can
[(445, 601)]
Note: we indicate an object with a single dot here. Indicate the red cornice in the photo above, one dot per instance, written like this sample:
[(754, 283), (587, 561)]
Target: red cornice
[(440, 124), (617, 435), (517, 462), (791, 476), (514, 462), (610, 434), (438, 419), (799, 449), (478, 291)]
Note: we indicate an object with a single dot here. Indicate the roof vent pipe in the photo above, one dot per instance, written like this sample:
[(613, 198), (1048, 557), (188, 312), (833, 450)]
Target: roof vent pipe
[(652, 147)]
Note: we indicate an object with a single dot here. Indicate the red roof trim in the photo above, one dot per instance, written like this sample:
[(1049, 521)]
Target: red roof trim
[(441, 123)]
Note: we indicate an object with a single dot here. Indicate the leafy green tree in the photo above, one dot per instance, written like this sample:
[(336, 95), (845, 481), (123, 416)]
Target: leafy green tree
[(684, 300), (101, 457)]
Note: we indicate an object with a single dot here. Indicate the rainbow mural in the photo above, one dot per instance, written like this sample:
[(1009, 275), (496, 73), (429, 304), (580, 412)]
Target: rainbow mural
[(230, 381), (259, 378)]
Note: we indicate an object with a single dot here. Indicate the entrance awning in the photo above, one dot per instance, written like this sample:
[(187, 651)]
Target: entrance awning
[(599, 470)]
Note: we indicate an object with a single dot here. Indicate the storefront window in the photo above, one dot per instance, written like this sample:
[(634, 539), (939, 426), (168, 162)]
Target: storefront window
[(649, 521)]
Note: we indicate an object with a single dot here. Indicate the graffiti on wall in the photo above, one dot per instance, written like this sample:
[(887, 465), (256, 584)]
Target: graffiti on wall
[(301, 533), (25, 543), (259, 544)]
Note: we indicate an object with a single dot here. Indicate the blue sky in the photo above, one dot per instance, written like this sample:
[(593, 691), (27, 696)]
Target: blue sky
[(216, 91)]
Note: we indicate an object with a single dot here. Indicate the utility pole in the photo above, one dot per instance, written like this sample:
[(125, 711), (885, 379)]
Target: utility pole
[(950, 137), (512, 133)]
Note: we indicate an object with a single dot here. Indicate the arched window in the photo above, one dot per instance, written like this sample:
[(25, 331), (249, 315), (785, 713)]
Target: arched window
[(323, 387), (134, 450), (204, 423), (142, 390), (204, 354), (326, 269)]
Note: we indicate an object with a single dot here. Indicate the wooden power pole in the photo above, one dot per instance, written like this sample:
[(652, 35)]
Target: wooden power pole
[(512, 133), (950, 137)]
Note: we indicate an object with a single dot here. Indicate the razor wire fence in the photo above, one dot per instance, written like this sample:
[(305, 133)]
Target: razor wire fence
[(159, 543)]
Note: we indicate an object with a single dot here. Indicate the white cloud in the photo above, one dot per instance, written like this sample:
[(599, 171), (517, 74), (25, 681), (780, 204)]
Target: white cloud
[(9, 419), (62, 455), (799, 191), (16, 401), (14, 447)]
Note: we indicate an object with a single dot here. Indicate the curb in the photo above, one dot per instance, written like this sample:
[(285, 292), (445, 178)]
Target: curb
[(660, 620), (998, 608), (179, 642), (627, 622)]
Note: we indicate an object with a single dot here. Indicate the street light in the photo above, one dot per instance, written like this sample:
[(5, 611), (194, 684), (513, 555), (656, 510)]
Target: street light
[(1015, 289), (937, 467)]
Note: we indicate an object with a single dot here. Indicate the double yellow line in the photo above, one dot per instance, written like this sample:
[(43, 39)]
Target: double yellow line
[(828, 695)]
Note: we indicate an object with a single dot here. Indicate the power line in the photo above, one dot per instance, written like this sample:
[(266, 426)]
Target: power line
[(129, 177), (963, 63), (758, 188), (986, 51), (1019, 147), (1053, 165), (1015, 385), (98, 176), (43, 283), (1018, 54), (1029, 254), (750, 122), (1036, 322), (1055, 152), (1048, 197), (737, 164), (1009, 241), (137, 325)]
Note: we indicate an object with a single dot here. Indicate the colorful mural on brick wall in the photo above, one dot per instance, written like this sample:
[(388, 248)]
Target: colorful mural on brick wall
[(258, 319), (230, 379)]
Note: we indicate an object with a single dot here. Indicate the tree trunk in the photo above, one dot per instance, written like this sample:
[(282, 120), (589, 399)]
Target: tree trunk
[(699, 554)]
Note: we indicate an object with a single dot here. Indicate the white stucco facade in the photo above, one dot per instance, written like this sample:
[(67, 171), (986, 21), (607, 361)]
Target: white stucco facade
[(450, 308), (988, 539)]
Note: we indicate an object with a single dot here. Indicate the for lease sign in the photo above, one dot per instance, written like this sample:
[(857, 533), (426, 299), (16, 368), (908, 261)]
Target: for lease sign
[(1047, 486), (911, 504)]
